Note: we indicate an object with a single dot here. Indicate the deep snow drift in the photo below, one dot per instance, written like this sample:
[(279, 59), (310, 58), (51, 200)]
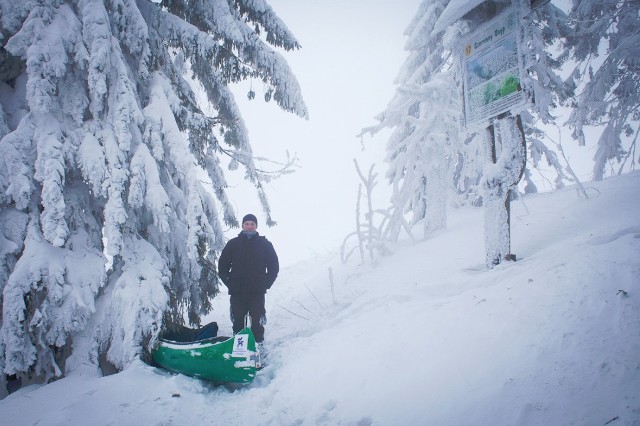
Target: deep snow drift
[(425, 337)]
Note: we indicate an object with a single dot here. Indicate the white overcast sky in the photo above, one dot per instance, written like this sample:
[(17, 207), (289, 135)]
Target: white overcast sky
[(351, 53)]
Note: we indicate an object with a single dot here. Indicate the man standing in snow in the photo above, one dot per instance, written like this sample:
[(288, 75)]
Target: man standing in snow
[(248, 266)]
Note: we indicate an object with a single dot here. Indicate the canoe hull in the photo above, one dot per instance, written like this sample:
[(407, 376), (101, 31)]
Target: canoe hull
[(234, 360)]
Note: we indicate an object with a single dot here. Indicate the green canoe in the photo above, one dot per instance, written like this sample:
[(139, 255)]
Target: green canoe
[(220, 359)]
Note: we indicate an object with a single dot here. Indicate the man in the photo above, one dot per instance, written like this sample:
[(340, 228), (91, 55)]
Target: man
[(248, 266)]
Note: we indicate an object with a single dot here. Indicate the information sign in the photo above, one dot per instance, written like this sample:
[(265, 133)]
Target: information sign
[(492, 71)]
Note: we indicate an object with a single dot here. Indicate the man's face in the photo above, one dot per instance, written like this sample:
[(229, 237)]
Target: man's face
[(249, 226)]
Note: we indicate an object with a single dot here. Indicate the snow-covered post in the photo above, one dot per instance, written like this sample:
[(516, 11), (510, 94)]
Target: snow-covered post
[(506, 147), (493, 72)]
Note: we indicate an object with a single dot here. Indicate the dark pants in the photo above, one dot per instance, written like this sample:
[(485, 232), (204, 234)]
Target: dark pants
[(252, 304)]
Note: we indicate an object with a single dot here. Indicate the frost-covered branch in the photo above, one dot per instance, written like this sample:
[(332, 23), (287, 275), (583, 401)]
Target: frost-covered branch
[(609, 89), (368, 235)]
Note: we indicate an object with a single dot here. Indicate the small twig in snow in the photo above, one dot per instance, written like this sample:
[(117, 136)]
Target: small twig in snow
[(314, 296), (293, 313), (302, 306), (333, 293)]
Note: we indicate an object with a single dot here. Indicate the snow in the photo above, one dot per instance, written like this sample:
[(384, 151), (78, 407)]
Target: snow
[(455, 10), (426, 336)]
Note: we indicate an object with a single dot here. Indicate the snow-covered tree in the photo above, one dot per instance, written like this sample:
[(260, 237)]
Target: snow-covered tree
[(424, 114), (606, 48), (543, 29), (112, 183), (428, 153)]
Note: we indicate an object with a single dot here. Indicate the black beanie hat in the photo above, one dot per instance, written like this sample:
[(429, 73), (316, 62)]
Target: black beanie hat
[(250, 217)]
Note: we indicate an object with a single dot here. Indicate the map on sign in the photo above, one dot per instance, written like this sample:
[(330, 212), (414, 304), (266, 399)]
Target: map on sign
[(491, 70)]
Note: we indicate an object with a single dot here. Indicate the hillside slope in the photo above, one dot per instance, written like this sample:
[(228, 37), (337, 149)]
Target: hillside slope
[(427, 336)]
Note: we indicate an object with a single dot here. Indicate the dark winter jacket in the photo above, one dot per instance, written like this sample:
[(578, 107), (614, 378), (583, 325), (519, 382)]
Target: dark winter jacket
[(248, 265)]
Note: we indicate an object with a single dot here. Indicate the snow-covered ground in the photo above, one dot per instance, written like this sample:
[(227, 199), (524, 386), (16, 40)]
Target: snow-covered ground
[(425, 337)]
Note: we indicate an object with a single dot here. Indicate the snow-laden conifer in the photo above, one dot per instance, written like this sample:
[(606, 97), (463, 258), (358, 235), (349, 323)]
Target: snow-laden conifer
[(112, 184), (606, 48), (428, 153), (424, 114)]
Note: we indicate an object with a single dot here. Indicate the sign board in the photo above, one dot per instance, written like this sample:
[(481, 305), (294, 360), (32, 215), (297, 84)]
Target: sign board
[(492, 71)]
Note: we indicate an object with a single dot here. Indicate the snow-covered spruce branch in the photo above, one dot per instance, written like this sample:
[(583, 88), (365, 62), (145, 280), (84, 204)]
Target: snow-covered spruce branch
[(239, 157), (631, 153), (558, 144)]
